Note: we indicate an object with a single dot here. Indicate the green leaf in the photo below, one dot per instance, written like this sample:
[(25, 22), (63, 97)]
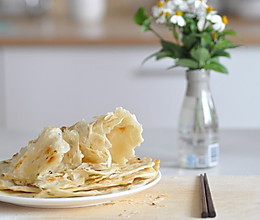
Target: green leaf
[(220, 53), (216, 67), (192, 64), (158, 55), (146, 24), (224, 44), (189, 40), (191, 25), (214, 59), (149, 57), (162, 54), (229, 32), (209, 29), (175, 49), (140, 16), (143, 20), (200, 54), (206, 39), (144, 28)]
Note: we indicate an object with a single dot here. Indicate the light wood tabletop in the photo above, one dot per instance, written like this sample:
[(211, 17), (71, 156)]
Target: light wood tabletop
[(56, 30)]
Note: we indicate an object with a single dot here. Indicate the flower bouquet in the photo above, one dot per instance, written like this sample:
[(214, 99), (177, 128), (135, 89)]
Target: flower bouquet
[(199, 35)]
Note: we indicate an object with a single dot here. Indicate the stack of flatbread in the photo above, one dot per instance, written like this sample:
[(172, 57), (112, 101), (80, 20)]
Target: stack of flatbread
[(85, 159)]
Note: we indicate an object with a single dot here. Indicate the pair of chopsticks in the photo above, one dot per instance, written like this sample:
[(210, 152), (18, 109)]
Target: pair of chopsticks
[(207, 206)]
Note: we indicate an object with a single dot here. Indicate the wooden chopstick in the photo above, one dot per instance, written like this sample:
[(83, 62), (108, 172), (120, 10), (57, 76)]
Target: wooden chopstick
[(204, 206), (211, 209), (207, 206)]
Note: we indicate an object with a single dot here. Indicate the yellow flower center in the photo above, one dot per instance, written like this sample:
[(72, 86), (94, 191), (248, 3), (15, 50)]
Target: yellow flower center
[(161, 14), (210, 8), (179, 13), (214, 35), (160, 4), (225, 20), (167, 14)]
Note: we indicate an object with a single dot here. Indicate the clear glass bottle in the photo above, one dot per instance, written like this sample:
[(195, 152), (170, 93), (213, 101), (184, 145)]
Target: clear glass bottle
[(198, 124)]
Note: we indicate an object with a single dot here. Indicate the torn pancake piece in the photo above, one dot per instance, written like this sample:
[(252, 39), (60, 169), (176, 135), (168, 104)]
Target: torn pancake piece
[(124, 136), (73, 158), (40, 156), (85, 159), (111, 138)]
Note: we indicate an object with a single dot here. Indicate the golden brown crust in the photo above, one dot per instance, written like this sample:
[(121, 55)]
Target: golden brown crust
[(81, 160)]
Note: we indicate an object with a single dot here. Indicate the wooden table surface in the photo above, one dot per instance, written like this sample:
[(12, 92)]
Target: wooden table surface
[(174, 197), (112, 31)]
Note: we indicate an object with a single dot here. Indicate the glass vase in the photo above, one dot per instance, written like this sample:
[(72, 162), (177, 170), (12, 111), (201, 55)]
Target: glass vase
[(198, 124)]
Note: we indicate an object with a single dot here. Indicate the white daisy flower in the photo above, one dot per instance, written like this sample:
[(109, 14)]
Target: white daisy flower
[(178, 19), (162, 10), (170, 5), (218, 24), (205, 19), (200, 4), (202, 23), (165, 13), (197, 7), (157, 9), (181, 5)]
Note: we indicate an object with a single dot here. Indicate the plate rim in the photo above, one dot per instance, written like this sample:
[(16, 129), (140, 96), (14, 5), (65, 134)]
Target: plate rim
[(57, 202)]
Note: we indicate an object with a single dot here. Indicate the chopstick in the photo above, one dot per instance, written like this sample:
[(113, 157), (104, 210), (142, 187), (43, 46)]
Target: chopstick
[(204, 205), (211, 209), (207, 206)]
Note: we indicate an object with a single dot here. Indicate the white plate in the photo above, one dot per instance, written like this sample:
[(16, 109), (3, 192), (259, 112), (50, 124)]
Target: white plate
[(73, 202)]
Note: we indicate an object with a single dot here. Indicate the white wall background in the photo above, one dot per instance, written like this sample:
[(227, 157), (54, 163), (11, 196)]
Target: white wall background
[(42, 86)]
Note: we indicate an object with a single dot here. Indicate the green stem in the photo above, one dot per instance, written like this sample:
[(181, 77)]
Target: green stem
[(158, 35), (176, 35)]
